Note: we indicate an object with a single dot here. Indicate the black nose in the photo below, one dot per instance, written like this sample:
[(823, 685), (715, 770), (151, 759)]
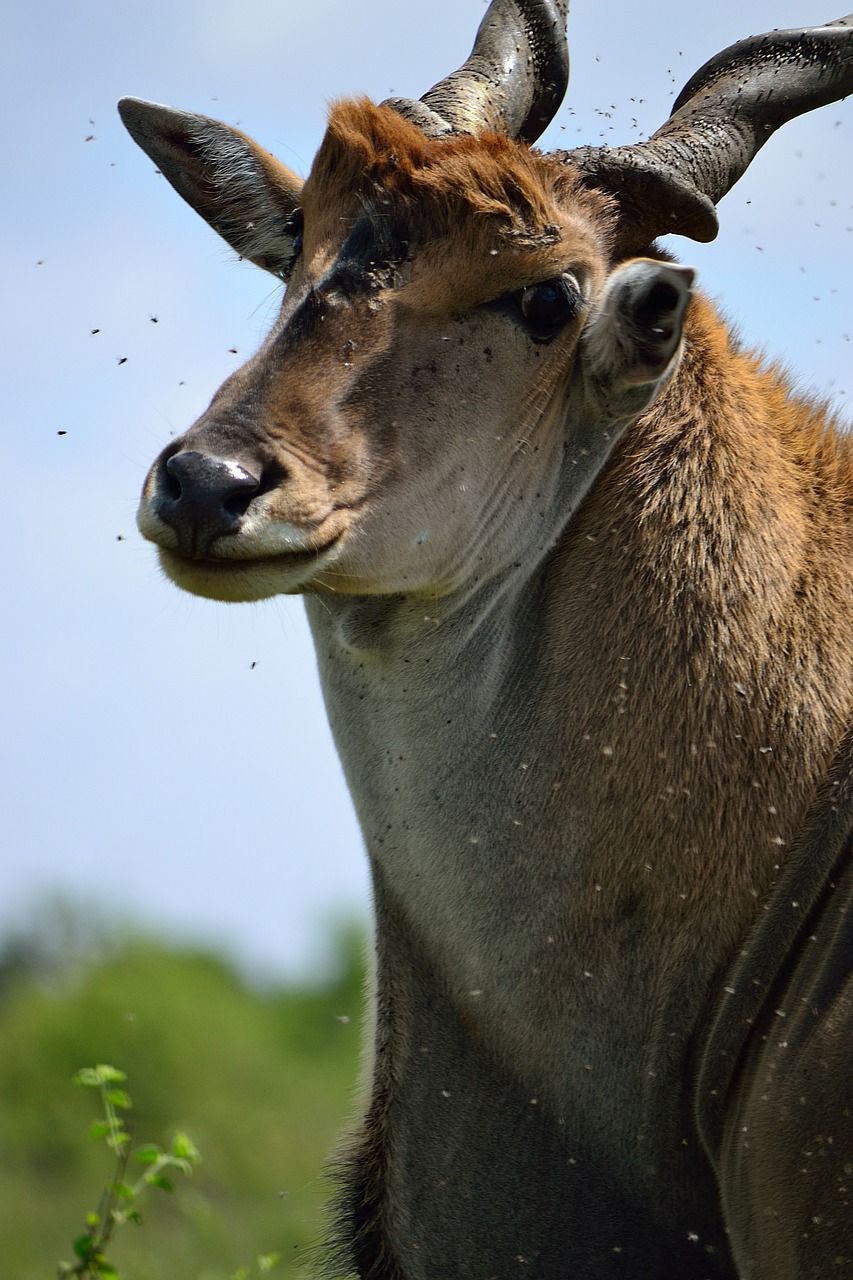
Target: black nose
[(201, 497)]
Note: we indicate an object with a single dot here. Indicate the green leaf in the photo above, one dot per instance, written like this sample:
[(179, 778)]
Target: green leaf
[(157, 1180), (148, 1154), (119, 1098), (83, 1246), (87, 1076), (267, 1261), (94, 1077), (99, 1129), (184, 1148), (122, 1190), (108, 1074)]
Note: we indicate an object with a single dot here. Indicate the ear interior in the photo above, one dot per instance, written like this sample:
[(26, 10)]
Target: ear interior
[(242, 191)]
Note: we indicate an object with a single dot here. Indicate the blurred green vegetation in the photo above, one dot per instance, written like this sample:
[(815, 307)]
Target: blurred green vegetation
[(263, 1080)]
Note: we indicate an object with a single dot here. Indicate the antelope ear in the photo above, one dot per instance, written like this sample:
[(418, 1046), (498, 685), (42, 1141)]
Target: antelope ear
[(631, 342), (242, 191)]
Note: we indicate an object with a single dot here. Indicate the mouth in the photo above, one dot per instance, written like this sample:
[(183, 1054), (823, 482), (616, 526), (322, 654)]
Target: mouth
[(293, 559), (234, 580)]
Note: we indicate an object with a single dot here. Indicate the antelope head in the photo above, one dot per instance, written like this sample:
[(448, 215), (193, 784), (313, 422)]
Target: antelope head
[(467, 325)]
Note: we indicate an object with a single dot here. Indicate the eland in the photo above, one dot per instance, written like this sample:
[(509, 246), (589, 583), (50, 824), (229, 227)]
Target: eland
[(579, 571)]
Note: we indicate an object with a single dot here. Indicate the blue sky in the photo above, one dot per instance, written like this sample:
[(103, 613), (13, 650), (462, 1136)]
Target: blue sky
[(166, 757)]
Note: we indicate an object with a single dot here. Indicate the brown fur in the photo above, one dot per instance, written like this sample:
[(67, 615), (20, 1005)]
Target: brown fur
[(638, 716), (452, 186), (728, 515), (478, 198)]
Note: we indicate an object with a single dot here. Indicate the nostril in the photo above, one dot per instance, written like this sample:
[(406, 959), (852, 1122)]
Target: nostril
[(237, 501), (203, 492), (169, 484)]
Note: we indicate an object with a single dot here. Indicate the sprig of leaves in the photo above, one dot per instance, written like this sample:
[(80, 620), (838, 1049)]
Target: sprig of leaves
[(120, 1197), (265, 1263)]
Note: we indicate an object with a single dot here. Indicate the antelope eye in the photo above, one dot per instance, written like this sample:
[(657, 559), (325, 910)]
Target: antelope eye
[(293, 227), (548, 306)]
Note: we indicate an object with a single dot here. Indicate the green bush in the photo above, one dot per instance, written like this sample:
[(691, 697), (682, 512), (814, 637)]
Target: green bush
[(262, 1080)]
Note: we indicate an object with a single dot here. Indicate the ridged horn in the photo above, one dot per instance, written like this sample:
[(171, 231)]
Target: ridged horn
[(513, 82), (720, 120)]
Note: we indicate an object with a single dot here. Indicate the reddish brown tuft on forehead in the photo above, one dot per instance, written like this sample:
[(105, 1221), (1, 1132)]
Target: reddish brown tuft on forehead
[(372, 155)]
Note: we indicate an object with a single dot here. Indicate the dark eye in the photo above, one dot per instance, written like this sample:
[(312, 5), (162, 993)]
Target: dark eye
[(293, 227), (548, 306)]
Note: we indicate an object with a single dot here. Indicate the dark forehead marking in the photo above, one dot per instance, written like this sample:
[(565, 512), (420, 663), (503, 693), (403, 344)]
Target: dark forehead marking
[(375, 247), (379, 240)]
